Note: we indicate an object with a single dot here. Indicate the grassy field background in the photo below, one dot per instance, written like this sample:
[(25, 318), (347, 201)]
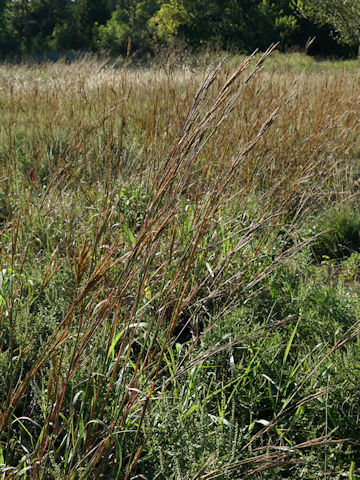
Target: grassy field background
[(179, 285)]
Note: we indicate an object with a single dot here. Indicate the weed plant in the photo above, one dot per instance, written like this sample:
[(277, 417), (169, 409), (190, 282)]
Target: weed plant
[(174, 299)]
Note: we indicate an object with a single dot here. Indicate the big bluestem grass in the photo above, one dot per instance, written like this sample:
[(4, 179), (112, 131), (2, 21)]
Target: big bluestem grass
[(138, 209)]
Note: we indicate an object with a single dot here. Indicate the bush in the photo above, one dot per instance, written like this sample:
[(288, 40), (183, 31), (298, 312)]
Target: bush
[(113, 37)]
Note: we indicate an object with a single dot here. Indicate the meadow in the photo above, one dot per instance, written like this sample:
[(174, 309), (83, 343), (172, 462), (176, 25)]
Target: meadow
[(180, 269)]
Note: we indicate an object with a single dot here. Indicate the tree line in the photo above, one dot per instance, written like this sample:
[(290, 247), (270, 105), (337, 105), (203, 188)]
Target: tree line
[(117, 27)]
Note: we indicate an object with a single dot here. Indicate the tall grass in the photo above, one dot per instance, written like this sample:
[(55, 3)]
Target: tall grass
[(142, 212)]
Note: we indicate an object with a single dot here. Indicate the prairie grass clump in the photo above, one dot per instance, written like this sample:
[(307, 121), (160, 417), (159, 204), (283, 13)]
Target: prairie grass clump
[(341, 237), (162, 315)]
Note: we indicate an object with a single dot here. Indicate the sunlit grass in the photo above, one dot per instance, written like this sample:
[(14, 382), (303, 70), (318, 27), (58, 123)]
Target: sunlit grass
[(160, 269)]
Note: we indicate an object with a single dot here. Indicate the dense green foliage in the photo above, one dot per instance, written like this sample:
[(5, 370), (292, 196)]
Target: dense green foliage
[(144, 26), (342, 15)]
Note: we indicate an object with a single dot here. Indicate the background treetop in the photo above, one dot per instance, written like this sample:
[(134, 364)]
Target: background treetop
[(59, 26), (342, 15)]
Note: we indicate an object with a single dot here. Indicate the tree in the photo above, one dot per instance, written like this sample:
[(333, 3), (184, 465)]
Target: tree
[(128, 27), (2, 20), (223, 23), (47, 17), (280, 22), (342, 15), (88, 15), (113, 36)]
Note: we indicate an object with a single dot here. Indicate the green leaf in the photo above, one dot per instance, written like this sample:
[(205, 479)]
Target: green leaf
[(191, 409), (120, 334), (2, 460), (291, 339), (130, 235)]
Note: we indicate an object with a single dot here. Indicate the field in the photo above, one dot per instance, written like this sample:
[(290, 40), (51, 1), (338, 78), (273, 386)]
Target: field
[(180, 269)]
